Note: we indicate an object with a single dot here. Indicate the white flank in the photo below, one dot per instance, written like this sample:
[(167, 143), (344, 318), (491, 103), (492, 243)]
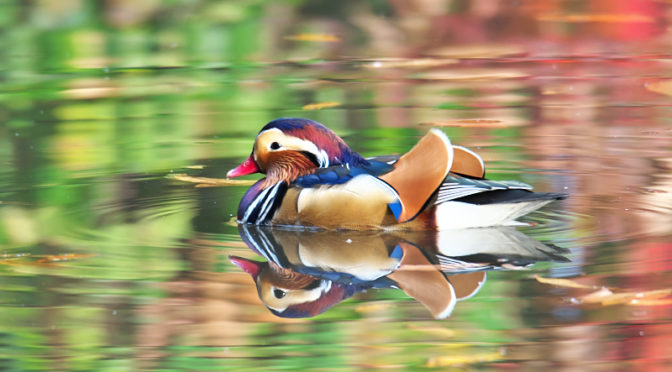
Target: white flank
[(459, 215)]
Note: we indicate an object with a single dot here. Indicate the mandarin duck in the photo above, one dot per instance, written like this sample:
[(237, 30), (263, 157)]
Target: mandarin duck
[(314, 179), (308, 271)]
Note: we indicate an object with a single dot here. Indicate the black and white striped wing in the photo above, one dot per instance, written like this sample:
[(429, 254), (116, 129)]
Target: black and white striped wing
[(455, 187)]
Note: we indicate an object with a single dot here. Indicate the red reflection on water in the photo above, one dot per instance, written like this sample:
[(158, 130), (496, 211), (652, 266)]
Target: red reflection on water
[(647, 26), (645, 345)]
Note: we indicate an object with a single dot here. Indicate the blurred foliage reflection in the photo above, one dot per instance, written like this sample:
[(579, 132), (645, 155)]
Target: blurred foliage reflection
[(107, 263)]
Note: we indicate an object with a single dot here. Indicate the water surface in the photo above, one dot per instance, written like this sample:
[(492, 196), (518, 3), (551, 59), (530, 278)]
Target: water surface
[(107, 262)]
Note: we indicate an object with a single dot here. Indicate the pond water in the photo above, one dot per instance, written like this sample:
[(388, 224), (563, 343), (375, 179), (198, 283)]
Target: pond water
[(109, 260)]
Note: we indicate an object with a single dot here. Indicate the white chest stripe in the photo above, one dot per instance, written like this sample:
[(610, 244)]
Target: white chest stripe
[(262, 244), (262, 203), (323, 159), (268, 202)]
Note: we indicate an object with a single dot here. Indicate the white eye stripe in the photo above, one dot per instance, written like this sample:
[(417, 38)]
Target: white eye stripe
[(323, 159), (285, 142)]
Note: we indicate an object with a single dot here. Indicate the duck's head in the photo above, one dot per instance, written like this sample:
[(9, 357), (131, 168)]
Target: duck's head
[(289, 294), (287, 148)]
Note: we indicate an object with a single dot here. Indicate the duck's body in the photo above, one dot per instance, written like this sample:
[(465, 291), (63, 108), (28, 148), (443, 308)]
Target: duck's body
[(314, 179)]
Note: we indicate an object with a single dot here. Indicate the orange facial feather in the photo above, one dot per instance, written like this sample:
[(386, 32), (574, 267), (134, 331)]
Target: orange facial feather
[(287, 278), (286, 166)]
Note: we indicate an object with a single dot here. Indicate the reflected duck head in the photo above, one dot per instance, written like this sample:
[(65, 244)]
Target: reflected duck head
[(289, 294)]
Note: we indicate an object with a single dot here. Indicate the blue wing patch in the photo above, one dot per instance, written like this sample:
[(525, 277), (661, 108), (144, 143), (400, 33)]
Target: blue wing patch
[(397, 253), (395, 207), (339, 174), (308, 180), (380, 164), (334, 175)]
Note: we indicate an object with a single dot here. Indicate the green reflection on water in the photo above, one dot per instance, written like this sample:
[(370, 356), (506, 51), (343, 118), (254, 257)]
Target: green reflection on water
[(107, 264), (97, 108)]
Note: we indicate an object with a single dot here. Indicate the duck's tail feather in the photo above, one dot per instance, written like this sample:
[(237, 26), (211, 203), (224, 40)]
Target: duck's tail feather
[(510, 196), (462, 215)]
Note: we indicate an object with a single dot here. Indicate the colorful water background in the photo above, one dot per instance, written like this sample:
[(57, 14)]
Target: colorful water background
[(107, 263)]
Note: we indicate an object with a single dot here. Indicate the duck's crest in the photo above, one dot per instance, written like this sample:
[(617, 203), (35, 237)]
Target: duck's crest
[(325, 139)]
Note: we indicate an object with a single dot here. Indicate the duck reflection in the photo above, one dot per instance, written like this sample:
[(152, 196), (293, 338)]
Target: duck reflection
[(308, 271)]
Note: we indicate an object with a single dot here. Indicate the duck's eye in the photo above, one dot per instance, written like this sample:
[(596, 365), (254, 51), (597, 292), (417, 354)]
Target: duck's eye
[(274, 146), (279, 293)]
